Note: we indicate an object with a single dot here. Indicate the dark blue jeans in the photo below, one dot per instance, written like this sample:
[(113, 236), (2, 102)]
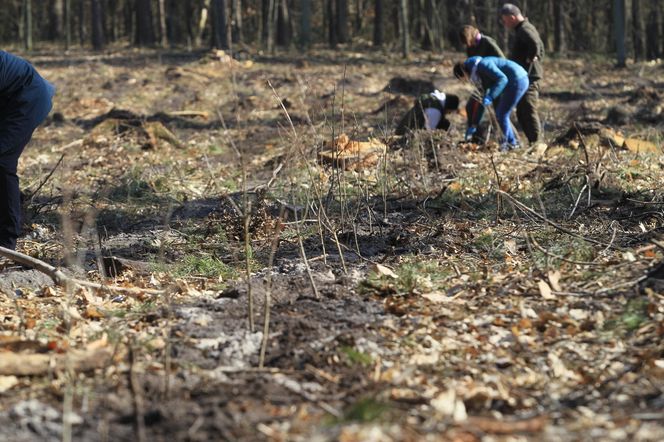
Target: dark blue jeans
[(508, 101), (16, 128)]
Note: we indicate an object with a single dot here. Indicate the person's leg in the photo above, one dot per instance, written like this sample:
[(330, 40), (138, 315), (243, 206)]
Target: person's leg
[(508, 100), (526, 113), (10, 202)]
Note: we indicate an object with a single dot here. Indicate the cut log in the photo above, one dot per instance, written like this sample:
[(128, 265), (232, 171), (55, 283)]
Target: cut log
[(348, 154)]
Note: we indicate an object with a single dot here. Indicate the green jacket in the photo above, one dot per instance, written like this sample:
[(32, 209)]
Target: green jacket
[(526, 46), (487, 47)]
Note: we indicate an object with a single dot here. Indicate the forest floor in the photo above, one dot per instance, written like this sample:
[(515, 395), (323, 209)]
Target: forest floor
[(443, 291)]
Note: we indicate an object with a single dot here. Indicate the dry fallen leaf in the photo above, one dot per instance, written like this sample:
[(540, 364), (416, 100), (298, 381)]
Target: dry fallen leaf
[(545, 290)]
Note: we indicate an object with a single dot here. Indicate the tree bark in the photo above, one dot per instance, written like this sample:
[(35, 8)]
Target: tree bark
[(403, 28), (236, 22), (56, 19), (144, 30), (163, 31), (342, 21), (97, 25), (67, 24), (560, 34), (284, 25), (619, 31), (638, 27), (305, 24), (27, 10), (333, 29), (219, 23), (379, 24)]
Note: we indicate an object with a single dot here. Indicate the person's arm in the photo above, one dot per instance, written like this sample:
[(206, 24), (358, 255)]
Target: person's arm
[(497, 79)]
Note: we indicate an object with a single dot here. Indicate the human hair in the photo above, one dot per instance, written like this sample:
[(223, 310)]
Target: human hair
[(460, 70), (451, 102), (468, 34), (510, 9)]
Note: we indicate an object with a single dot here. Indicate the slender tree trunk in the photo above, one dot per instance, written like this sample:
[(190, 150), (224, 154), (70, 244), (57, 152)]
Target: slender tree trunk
[(219, 24), (27, 9), (97, 25), (144, 30), (305, 24), (379, 24), (56, 15), (342, 21), (403, 28), (202, 21), (654, 41), (638, 27), (560, 35), (429, 17), (359, 16), (81, 23), (236, 22), (332, 23), (67, 24), (270, 24), (163, 32), (284, 25), (619, 31)]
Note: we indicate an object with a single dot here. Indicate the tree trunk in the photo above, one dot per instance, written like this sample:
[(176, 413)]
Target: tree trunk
[(560, 35), (403, 28), (97, 25), (638, 27), (81, 23), (305, 24), (284, 25), (163, 31), (144, 29), (332, 24), (202, 22), (619, 31), (654, 41), (27, 10), (236, 22), (379, 24), (359, 17), (219, 20), (342, 21), (429, 17), (67, 24), (55, 21), (270, 11)]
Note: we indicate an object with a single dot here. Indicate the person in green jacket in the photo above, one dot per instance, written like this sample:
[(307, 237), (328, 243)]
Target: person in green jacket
[(527, 50), (477, 44)]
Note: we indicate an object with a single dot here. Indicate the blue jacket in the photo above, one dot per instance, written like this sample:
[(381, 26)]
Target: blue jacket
[(495, 73), (21, 86)]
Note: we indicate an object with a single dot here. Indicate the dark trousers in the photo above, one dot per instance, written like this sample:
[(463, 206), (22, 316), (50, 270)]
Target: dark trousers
[(16, 130), (526, 113)]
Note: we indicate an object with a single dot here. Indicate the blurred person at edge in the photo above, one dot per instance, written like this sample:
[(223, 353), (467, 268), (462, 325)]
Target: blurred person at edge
[(527, 49), (25, 101)]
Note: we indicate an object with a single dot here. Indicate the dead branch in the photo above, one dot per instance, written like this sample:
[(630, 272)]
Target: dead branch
[(59, 278), (527, 209)]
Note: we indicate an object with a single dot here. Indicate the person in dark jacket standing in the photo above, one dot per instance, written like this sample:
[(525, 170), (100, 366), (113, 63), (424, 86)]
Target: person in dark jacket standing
[(25, 101), (527, 50), (477, 44)]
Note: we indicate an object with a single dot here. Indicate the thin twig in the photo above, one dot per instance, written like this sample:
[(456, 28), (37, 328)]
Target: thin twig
[(527, 209), (137, 394)]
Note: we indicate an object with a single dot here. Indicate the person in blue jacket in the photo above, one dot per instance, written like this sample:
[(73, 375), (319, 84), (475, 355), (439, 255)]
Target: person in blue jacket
[(25, 101), (496, 77)]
